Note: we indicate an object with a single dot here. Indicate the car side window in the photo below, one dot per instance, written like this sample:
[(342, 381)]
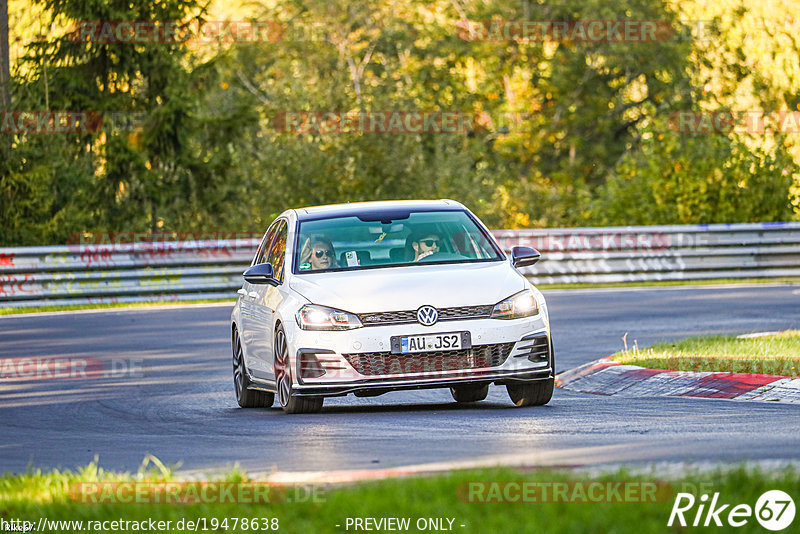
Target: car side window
[(276, 255), (263, 247)]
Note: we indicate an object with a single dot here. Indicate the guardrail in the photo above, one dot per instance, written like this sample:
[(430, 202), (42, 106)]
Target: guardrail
[(655, 253), (128, 272), (211, 269)]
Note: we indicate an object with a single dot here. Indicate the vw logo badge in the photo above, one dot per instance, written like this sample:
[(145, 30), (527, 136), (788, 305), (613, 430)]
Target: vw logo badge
[(427, 315)]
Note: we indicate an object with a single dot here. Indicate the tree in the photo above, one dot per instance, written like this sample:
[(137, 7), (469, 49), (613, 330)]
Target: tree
[(168, 175), (696, 179), (568, 131), (5, 68)]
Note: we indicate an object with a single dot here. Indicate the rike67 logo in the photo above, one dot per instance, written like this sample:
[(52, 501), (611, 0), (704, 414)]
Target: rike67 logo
[(774, 510)]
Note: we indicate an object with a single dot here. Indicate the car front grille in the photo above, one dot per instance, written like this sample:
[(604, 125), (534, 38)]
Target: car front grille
[(386, 363), (410, 316)]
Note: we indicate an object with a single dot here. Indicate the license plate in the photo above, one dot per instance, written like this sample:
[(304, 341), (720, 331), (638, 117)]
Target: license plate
[(431, 342)]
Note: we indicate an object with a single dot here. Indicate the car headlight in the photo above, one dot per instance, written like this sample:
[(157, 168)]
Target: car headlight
[(314, 317), (523, 304)]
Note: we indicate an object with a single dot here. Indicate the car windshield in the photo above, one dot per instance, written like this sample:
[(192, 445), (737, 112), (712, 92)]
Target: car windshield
[(391, 239)]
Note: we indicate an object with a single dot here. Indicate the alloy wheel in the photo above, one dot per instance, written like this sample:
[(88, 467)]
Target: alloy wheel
[(283, 379), (238, 366)]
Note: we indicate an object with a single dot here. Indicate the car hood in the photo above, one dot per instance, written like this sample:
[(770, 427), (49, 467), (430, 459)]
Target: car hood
[(412, 286)]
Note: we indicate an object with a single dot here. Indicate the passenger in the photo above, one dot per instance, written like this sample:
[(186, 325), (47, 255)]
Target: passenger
[(317, 254)]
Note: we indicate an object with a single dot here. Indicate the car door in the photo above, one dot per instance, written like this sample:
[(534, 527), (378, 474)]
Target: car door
[(247, 296), (267, 299)]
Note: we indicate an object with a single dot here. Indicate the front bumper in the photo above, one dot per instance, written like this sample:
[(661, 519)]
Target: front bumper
[(525, 344), (373, 387)]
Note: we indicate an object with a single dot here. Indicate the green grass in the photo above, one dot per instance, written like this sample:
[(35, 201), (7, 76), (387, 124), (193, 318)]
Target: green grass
[(39, 309), (777, 354), (34, 495)]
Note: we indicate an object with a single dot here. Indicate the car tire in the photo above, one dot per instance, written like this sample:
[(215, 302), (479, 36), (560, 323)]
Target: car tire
[(464, 394), (247, 398), (283, 380), (532, 393)]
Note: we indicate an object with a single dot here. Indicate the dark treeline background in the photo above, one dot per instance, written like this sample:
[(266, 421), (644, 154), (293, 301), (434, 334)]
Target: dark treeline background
[(579, 134)]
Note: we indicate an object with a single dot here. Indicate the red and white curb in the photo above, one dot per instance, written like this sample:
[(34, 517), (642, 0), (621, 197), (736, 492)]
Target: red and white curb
[(607, 377)]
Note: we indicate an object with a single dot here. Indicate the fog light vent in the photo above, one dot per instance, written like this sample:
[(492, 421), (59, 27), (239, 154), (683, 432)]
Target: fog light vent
[(310, 366), (535, 348)]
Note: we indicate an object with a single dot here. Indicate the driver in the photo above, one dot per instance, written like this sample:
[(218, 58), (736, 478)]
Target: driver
[(317, 254), (425, 245)]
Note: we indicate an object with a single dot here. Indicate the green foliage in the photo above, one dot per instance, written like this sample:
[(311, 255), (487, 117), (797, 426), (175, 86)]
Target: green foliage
[(172, 173), (696, 178), (576, 131)]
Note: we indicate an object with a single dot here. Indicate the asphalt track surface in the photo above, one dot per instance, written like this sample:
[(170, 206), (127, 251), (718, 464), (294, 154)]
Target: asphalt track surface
[(180, 405)]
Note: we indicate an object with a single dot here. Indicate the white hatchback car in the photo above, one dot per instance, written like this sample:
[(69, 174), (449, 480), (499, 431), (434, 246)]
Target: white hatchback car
[(372, 297)]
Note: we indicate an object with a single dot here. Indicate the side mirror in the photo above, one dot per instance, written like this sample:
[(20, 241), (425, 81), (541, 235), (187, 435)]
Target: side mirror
[(260, 274), (524, 256)]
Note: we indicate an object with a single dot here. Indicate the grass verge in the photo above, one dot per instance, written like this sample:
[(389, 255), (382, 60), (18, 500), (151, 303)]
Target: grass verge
[(777, 354), (39, 309), (456, 496)]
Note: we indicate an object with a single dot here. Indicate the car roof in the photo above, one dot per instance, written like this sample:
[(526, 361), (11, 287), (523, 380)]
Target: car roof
[(374, 209)]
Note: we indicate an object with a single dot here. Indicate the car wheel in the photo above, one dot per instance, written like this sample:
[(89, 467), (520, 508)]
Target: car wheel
[(283, 381), (531, 393), (247, 398), (470, 393)]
